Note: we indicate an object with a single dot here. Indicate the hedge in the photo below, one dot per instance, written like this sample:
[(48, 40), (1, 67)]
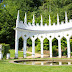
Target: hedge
[(5, 49)]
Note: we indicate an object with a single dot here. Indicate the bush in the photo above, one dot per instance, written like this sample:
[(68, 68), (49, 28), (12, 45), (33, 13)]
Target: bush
[(38, 48), (5, 49), (71, 53), (29, 42), (64, 53), (46, 44), (54, 50), (46, 47)]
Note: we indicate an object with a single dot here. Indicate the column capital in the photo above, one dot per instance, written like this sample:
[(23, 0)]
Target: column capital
[(59, 38)]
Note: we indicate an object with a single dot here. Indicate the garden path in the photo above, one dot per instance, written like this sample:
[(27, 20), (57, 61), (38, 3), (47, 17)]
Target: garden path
[(37, 55)]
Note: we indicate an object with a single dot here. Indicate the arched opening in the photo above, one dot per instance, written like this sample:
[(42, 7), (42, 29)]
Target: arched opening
[(46, 46), (20, 43), (37, 46), (71, 45), (64, 47), (20, 52), (29, 45), (55, 47)]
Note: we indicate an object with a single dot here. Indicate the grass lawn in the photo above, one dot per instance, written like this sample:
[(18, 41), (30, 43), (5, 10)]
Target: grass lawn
[(30, 49), (20, 53), (5, 66)]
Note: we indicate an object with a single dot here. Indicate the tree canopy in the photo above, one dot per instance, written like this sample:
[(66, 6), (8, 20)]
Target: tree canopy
[(9, 8)]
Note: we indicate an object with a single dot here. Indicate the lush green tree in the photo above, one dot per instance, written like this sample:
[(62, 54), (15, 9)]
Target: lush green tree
[(8, 15), (9, 9)]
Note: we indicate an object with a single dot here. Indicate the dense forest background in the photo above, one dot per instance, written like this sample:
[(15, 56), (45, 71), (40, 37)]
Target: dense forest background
[(9, 9)]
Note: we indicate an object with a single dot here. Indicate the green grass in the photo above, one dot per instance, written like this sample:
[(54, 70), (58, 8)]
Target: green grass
[(5, 66), (30, 49), (20, 53)]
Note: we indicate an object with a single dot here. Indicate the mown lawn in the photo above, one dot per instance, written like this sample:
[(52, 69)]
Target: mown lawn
[(20, 53), (5, 66)]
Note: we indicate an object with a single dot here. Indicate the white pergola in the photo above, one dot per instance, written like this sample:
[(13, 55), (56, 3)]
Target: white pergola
[(41, 31)]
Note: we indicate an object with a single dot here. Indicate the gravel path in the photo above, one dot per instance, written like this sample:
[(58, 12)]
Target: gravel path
[(36, 55)]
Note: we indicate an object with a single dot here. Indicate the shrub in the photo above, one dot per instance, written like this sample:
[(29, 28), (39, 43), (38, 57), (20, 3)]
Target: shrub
[(46, 44), (54, 50), (46, 47), (29, 42), (5, 49), (71, 53), (38, 48), (64, 54)]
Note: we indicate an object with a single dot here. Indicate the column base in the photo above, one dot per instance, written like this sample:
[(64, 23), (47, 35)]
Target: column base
[(59, 56), (41, 55), (16, 56), (24, 55), (69, 55), (51, 56), (33, 55)]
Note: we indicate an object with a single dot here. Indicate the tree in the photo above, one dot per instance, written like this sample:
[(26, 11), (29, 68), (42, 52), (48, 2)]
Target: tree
[(8, 14), (9, 9)]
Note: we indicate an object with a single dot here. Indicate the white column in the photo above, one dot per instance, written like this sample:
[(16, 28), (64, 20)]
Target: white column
[(33, 48), (68, 47), (1, 56), (24, 48), (50, 46), (16, 45), (41, 48), (59, 47)]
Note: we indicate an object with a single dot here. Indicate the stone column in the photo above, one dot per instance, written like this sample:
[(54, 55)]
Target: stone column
[(41, 48), (24, 48), (16, 45), (59, 47), (50, 46), (33, 48), (68, 47)]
